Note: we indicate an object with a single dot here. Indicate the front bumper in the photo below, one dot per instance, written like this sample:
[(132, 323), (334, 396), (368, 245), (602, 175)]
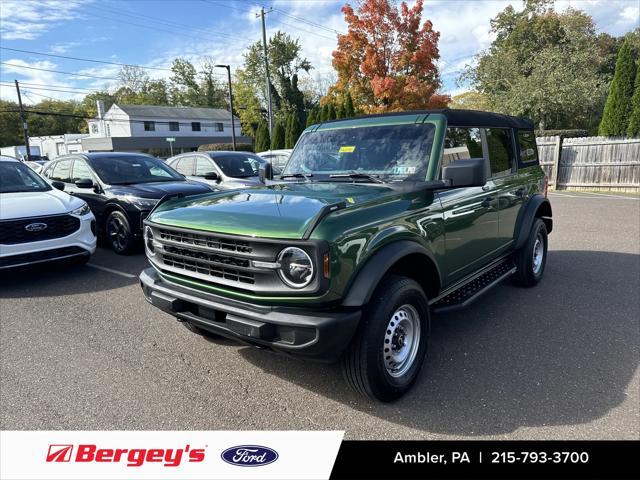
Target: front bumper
[(315, 334)]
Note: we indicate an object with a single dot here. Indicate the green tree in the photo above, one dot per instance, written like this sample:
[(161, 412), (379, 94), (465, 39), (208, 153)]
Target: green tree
[(10, 125), (633, 130), (331, 112), (247, 103), (349, 111), (339, 112), (324, 113), (542, 65), (263, 141), (617, 110), (312, 117), (278, 140), (292, 131)]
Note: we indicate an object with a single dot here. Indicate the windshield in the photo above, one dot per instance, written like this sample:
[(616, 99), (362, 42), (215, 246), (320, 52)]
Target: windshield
[(397, 152), (17, 177), (119, 170), (239, 165)]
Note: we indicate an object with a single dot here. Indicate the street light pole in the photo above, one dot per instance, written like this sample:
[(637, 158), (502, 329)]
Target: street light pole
[(233, 123)]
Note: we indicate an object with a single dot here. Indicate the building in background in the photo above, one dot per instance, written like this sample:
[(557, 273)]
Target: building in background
[(146, 128), (53, 146)]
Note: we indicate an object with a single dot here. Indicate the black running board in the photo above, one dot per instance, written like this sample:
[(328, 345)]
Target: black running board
[(471, 288)]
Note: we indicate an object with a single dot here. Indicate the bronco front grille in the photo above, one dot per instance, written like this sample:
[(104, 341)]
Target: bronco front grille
[(210, 264), (202, 240), (56, 226)]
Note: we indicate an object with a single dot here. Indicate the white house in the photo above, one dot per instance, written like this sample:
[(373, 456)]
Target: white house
[(55, 145), (143, 127)]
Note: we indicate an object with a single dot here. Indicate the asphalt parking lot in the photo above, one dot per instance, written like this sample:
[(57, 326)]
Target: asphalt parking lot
[(81, 349)]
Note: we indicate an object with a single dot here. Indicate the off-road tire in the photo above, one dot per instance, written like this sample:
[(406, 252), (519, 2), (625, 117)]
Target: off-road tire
[(528, 273), (363, 363)]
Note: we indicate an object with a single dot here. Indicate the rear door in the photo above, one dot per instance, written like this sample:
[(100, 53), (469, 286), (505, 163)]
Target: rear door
[(470, 214)]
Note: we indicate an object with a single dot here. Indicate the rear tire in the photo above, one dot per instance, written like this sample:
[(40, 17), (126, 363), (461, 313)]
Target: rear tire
[(388, 350), (118, 232), (532, 258)]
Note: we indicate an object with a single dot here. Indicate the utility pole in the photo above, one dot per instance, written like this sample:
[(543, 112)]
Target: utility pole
[(23, 117), (233, 123), (266, 69)]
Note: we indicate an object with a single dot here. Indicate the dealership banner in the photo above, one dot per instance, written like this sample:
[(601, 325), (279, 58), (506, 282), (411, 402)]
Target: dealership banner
[(114, 455)]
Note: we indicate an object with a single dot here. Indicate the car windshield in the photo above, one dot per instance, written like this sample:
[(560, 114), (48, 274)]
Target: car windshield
[(396, 152), (239, 165), (121, 169), (17, 177)]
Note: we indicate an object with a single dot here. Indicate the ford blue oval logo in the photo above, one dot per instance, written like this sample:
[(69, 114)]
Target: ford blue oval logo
[(35, 227), (249, 455)]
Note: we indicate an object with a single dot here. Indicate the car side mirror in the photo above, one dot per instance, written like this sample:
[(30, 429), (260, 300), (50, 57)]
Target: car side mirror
[(466, 173), (265, 172), (84, 183), (58, 185), (211, 176)]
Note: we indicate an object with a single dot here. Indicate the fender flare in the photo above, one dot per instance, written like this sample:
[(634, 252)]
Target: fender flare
[(367, 278), (526, 218)]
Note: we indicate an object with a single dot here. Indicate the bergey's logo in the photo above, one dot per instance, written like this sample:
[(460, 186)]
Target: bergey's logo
[(249, 455), (35, 227), (59, 453)]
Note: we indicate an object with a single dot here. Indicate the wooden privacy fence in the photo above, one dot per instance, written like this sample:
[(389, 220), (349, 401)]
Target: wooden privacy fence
[(589, 163)]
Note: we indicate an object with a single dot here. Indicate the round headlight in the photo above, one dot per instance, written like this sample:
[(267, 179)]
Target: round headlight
[(296, 267), (148, 240)]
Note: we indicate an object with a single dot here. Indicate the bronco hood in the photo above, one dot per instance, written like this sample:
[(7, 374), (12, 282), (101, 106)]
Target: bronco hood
[(276, 211)]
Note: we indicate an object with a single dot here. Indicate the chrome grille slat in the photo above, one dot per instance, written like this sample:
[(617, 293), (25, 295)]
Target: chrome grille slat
[(204, 240), (224, 261)]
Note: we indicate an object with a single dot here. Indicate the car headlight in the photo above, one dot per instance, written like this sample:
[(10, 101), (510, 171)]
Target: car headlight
[(296, 267), (81, 211), (143, 203)]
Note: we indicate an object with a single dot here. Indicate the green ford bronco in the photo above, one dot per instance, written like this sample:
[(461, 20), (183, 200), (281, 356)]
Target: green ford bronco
[(375, 224)]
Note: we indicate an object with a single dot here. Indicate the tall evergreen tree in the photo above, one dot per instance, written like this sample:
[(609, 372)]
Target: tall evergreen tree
[(262, 137), (617, 110), (331, 112), (339, 112), (633, 130), (349, 111), (324, 113), (312, 117), (277, 142), (296, 130)]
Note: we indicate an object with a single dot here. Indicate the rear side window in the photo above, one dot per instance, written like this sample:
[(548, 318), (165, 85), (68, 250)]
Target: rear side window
[(204, 165), (500, 150), (185, 165), (81, 171), (462, 143), (61, 171), (527, 146)]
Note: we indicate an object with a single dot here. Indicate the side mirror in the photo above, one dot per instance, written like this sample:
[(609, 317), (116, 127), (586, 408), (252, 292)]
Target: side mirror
[(466, 173), (211, 176), (265, 172), (84, 183), (58, 185)]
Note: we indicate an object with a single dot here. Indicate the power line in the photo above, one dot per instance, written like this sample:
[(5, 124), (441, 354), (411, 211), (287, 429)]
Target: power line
[(309, 22), (58, 71), (85, 59), (35, 86)]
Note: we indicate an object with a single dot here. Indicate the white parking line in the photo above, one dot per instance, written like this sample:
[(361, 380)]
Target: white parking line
[(110, 270), (599, 195)]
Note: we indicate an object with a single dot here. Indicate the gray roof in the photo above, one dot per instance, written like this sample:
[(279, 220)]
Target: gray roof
[(157, 111)]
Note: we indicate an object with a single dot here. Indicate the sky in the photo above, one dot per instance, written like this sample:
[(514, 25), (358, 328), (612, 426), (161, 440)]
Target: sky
[(151, 33)]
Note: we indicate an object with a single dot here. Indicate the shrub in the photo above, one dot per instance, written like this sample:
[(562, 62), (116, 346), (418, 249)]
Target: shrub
[(240, 147), (567, 133)]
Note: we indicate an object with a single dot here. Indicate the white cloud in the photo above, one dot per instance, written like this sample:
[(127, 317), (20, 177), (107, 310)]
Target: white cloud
[(34, 79), (29, 19), (631, 13)]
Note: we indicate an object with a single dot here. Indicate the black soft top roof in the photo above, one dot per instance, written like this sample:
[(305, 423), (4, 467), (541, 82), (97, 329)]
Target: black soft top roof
[(477, 118), (462, 118)]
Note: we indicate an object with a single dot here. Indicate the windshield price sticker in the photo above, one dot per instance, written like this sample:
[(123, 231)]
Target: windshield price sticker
[(347, 149)]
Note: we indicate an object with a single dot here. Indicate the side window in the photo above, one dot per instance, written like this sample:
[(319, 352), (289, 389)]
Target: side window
[(61, 171), (462, 143), (185, 165), (203, 165), (500, 150), (81, 170), (527, 145)]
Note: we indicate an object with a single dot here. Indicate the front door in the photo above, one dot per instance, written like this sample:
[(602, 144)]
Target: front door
[(470, 214)]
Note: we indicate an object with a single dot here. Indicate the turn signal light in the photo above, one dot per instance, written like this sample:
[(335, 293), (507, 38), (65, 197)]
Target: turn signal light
[(325, 266)]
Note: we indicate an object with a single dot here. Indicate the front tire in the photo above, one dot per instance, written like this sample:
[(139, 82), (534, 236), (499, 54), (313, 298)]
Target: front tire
[(388, 350), (531, 259), (119, 234)]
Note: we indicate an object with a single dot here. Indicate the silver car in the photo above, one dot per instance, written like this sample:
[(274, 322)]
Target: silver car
[(221, 169)]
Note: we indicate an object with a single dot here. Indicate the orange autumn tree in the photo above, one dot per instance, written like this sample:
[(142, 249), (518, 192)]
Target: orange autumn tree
[(387, 58)]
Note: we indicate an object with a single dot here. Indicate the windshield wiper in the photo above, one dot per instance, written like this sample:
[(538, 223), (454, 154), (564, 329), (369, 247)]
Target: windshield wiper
[(356, 176), (306, 176)]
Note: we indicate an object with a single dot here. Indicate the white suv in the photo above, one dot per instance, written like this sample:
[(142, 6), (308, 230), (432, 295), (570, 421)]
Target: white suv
[(39, 223)]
